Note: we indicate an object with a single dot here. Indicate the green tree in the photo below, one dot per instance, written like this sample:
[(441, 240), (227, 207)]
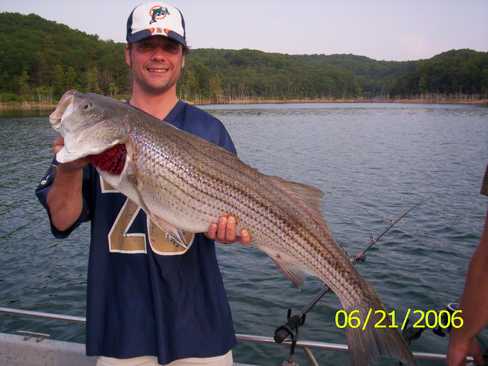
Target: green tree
[(23, 87), (91, 80), (70, 78), (59, 81), (423, 85), (215, 88), (188, 87), (57, 58), (44, 94), (113, 89)]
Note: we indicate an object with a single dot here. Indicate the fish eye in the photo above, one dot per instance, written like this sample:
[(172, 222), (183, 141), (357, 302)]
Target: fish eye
[(87, 106)]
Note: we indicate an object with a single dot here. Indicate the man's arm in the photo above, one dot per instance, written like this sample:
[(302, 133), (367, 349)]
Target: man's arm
[(65, 200), (474, 304)]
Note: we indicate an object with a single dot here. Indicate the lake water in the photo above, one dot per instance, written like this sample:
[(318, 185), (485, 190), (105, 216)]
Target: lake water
[(373, 161)]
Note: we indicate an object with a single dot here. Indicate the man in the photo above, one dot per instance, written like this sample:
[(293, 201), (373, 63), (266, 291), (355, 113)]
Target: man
[(147, 306), (474, 302)]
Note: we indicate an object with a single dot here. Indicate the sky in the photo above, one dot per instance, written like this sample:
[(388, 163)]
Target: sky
[(380, 29)]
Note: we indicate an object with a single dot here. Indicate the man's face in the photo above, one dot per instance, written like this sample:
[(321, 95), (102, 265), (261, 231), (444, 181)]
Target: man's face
[(156, 63)]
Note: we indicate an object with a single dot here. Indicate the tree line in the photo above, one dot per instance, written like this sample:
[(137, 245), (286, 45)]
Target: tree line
[(40, 59)]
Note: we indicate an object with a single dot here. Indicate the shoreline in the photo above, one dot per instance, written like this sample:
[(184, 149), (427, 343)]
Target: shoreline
[(481, 102), (36, 106)]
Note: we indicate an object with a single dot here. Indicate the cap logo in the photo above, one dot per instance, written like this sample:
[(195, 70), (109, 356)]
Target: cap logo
[(159, 30), (157, 13)]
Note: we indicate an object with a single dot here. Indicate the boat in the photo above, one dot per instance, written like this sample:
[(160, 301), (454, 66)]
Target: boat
[(28, 348)]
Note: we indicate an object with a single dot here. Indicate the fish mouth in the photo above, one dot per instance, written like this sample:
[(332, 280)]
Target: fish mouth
[(81, 138), (63, 109), (71, 150), (65, 155)]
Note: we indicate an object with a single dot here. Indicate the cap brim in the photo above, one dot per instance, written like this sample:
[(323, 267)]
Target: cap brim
[(139, 36)]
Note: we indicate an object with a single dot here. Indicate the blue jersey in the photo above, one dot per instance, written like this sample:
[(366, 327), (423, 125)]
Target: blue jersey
[(145, 295)]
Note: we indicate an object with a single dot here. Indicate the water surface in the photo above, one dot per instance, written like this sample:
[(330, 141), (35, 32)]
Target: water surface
[(372, 161)]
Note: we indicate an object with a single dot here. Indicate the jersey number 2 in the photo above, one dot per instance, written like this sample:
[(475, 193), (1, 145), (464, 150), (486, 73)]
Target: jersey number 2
[(121, 241)]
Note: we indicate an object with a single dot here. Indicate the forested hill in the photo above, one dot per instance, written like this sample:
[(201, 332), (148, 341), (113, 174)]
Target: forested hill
[(40, 59)]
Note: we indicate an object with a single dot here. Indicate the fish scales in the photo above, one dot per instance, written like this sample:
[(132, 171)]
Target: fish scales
[(169, 155), (186, 182), (202, 187)]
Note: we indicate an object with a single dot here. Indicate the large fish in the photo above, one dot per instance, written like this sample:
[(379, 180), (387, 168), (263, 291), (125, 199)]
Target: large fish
[(185, 183)]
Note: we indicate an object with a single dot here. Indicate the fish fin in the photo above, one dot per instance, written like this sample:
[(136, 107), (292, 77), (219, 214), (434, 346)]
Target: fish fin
[(288, 266), (370, 343), (293, 273), (304, 193), (172, 233), (133, 182)]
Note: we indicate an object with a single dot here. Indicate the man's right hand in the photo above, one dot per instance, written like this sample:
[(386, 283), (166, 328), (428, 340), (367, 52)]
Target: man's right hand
[(65, 198)]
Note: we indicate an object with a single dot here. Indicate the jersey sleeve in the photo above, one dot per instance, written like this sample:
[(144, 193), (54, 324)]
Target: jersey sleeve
[(484, 185), (226, 142), (43, 189)]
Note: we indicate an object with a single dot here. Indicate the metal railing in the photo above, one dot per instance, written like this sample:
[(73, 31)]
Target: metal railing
[(305, 345)]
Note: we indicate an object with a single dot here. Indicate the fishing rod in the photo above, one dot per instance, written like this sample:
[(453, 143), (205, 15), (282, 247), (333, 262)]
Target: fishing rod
[(294, 322)]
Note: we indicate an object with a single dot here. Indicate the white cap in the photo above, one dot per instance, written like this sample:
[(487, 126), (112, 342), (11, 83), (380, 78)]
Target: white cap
[(156, 18)]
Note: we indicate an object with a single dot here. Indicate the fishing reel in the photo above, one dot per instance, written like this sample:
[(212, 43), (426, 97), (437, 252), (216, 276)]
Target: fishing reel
[(290, 329), (412, 333), (451, 308)]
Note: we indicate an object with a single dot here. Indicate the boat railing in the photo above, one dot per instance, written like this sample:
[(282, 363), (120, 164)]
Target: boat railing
[(307, 346)]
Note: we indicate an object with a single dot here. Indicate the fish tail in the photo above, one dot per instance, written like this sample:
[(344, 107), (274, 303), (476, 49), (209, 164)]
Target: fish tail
[(370, 341)]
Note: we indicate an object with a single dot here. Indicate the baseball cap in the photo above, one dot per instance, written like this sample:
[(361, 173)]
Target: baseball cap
[(156, 18)]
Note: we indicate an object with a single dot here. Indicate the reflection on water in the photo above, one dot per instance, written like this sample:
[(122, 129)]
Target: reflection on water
[(371, 160)]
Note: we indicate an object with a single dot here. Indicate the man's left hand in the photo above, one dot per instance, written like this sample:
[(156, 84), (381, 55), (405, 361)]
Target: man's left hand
[(225, 231)]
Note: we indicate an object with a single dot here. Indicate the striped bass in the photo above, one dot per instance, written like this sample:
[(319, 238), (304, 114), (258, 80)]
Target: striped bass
[(184, 184)]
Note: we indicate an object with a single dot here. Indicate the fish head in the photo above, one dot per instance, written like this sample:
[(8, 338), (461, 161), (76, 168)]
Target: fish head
[(90, 124)]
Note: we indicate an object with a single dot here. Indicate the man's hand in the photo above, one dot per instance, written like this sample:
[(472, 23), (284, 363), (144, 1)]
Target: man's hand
[(65, 196), (459, 349), (72, 166), (225, 231)]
